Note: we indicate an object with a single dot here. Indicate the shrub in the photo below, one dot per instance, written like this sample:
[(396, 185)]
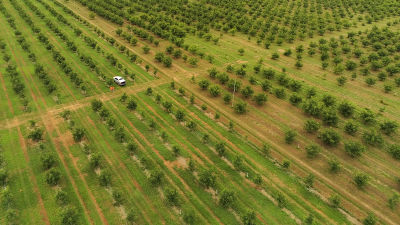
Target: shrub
[(330, 137), (335, 201), (62, 198), (36, 134), (220, 148), (329, 117), (351, 127), (329, 100), (275, 56), (389, 127), (118, 197), (247, 92), (156, 178), (311, 126), (367, 117), (295, 99), (96, 105), (334, 166), (260, 99), (207, 178), (313, 151), (227, 199), (290, 136), (373, 138), (249, 218), (53, 176), (354, 149), (240, 108), (361, 180), (394, 150), (189, 217), (309, 180), (3, 177), (313, 107), (227, 98), (78, 134), (370, 219), (180, 115), (280, 93), (47, 161), (214, 90), (132, 105), (204, 84), (172, 196), (69, 216), (281, 199), (105, 178), (346, 109)]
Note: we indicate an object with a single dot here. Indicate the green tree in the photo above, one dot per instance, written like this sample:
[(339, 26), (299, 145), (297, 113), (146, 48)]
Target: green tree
[(214, 90), (346, 109), (351, 127), (389, 127), (53, 176), (96, 105), (361, 180), (311, 126), (249, 218), (227, 199), (78, 134), (330, 137), (69, 216), (370, 219), (260, 99), (313, 151), (394, 150), (290, 136), (354, 149)]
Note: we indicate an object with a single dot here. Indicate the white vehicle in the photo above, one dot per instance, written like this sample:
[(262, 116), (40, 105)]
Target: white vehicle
[(119, 80)]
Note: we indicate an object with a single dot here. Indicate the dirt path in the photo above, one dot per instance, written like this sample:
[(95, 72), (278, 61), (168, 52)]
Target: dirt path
[(43, 211)]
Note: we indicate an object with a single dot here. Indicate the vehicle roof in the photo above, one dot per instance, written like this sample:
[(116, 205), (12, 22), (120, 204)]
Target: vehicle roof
[(118, 77)]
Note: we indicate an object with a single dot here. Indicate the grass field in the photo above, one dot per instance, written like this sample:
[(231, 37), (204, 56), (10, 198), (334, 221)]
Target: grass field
[(234, 112)]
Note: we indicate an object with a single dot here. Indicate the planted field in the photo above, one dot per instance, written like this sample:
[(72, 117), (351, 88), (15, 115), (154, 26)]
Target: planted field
[(233, 112)]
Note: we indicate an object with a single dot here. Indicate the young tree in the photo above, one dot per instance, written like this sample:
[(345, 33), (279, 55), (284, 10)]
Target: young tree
[(204, 84), (351, 127), (335, 201), (227, 199), (389, 127), (78, 134), (334, 166), (330, 137), (311, 126), (354, 149), (53, 176), (373, 138), (207, 178), (309, 180), (370, 219), (313, 151), (249, 218), (214, 90), (105, 178), (156, 178), (361, 180), (69, 216), (240, 107), (346, 109), (290, 136), (96, 105), (132, 105), (394, 150), (260, 99), (172, 196), (220, 148)]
